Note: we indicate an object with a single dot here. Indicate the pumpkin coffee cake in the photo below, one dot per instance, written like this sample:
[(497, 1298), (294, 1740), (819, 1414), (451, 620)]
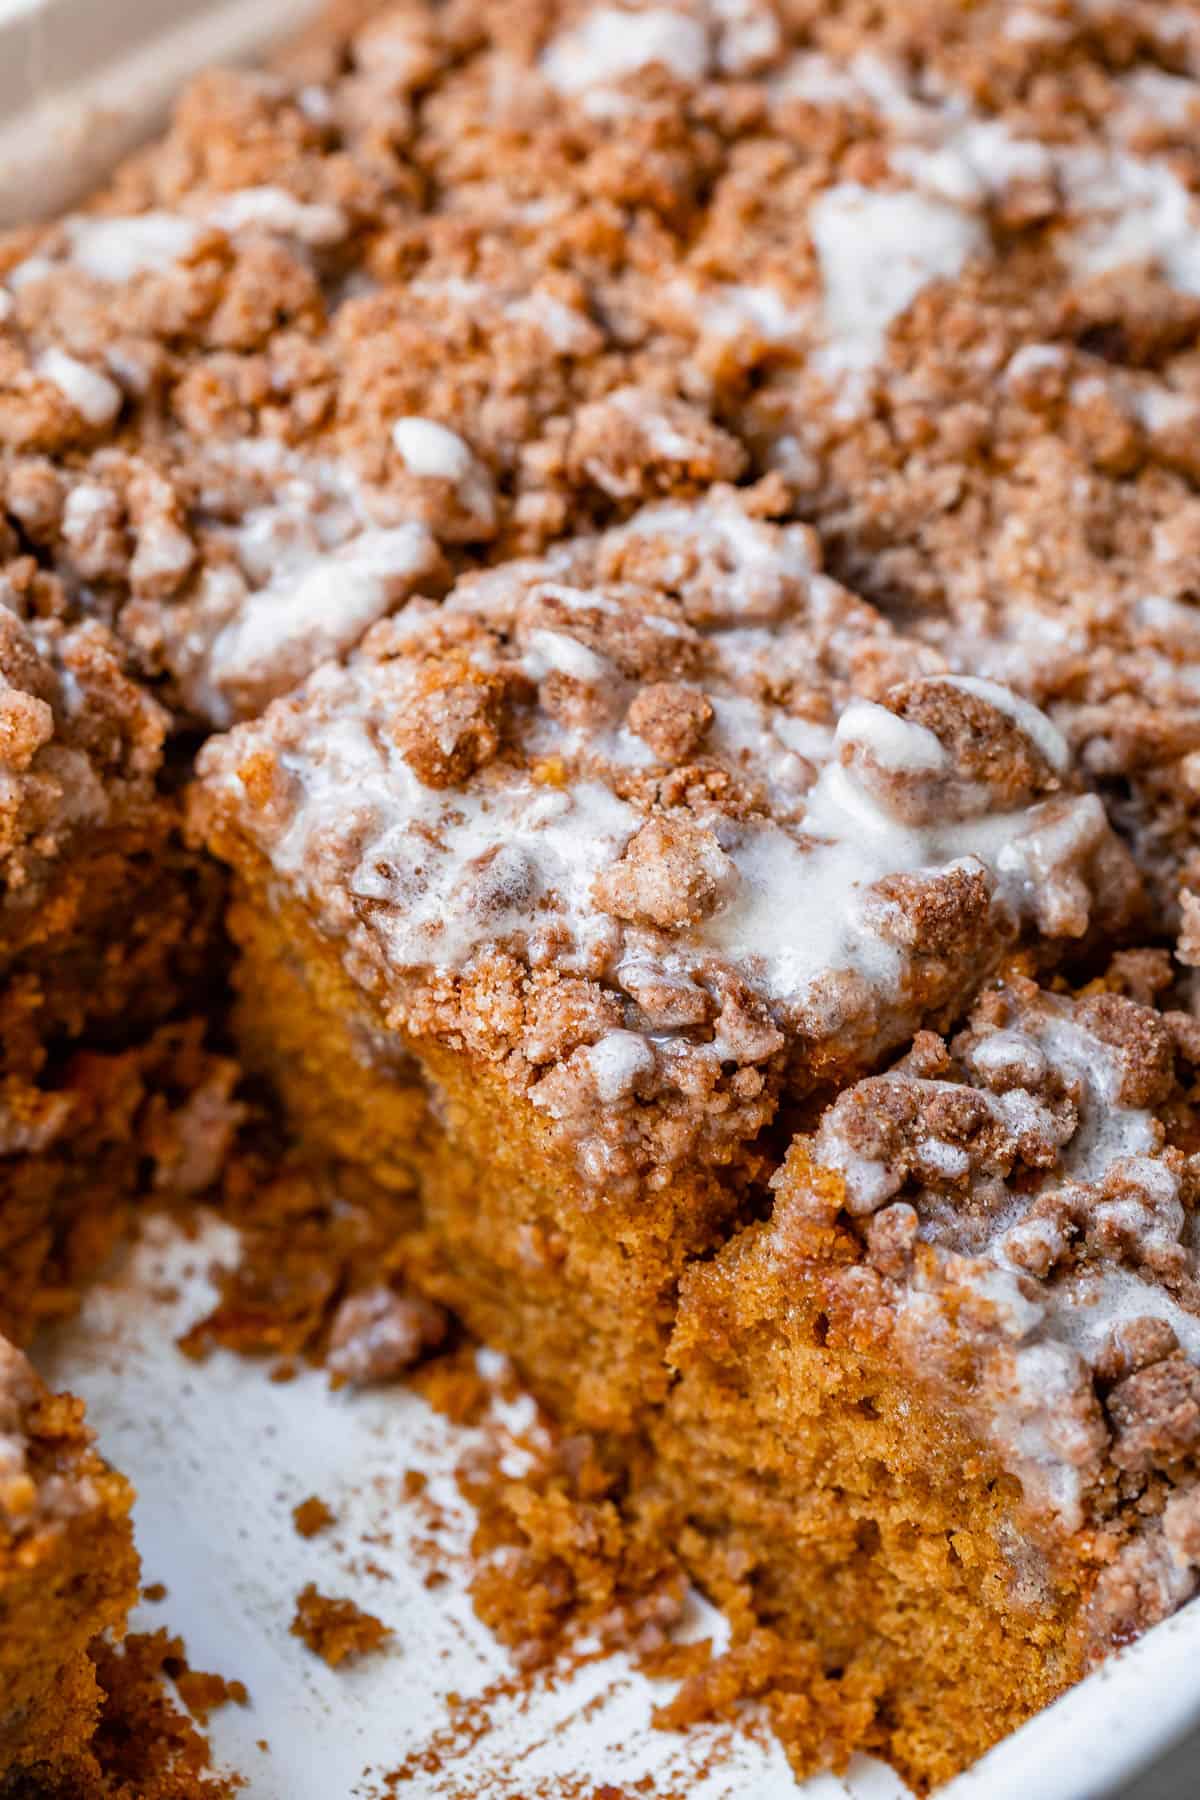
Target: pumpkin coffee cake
[(939, 1412), (686, 516)]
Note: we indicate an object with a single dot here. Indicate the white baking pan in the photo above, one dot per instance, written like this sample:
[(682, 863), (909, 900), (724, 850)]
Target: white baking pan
[(220, 1455)]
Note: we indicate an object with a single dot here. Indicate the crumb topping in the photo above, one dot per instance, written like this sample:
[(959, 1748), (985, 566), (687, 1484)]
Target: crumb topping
[(743, 817), (462, 284)]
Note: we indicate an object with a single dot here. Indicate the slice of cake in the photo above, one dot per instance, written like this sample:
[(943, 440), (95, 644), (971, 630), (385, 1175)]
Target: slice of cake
[(551, 897), (106, 931), (940, 1413), (68, 1571)]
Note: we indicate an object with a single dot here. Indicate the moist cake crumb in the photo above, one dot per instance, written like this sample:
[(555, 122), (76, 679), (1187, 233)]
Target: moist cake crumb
[(203, 1693), (312, 1516), (336, 1629)]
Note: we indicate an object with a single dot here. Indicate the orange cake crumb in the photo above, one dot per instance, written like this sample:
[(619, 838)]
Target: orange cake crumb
[(312, 1516)]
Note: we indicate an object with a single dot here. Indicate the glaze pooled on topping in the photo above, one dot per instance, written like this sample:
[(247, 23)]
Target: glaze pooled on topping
[(678, 767)]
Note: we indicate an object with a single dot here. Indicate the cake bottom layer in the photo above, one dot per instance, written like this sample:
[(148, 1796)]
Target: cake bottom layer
[(579, 1291), (819, 1495), (68, 1572)]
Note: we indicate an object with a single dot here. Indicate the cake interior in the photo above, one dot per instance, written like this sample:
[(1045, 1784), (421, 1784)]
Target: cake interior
[(825, 1499), (502, 1231)]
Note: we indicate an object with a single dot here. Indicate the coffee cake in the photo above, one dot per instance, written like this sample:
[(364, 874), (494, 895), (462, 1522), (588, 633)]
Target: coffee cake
[(688, 511), (546, 962)]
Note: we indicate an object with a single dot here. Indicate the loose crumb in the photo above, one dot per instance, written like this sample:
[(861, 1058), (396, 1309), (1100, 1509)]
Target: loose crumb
[(334, 1628), (311, 1516), (203, 1693)]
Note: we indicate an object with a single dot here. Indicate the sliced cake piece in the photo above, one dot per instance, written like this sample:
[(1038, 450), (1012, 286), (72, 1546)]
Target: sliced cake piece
[(940, 1413), (68, 1571), (550, 896), (106, 930)]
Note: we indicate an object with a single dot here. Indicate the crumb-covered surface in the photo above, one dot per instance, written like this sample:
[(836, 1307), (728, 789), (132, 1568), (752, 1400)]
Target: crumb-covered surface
[(592, 797), (447, 283)]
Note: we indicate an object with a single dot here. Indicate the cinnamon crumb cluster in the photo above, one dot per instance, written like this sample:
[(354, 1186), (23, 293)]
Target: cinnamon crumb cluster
[(1023, 1197)]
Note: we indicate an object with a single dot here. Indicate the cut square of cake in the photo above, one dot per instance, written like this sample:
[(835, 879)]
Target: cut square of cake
[(612, 857), (939, 1414)]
